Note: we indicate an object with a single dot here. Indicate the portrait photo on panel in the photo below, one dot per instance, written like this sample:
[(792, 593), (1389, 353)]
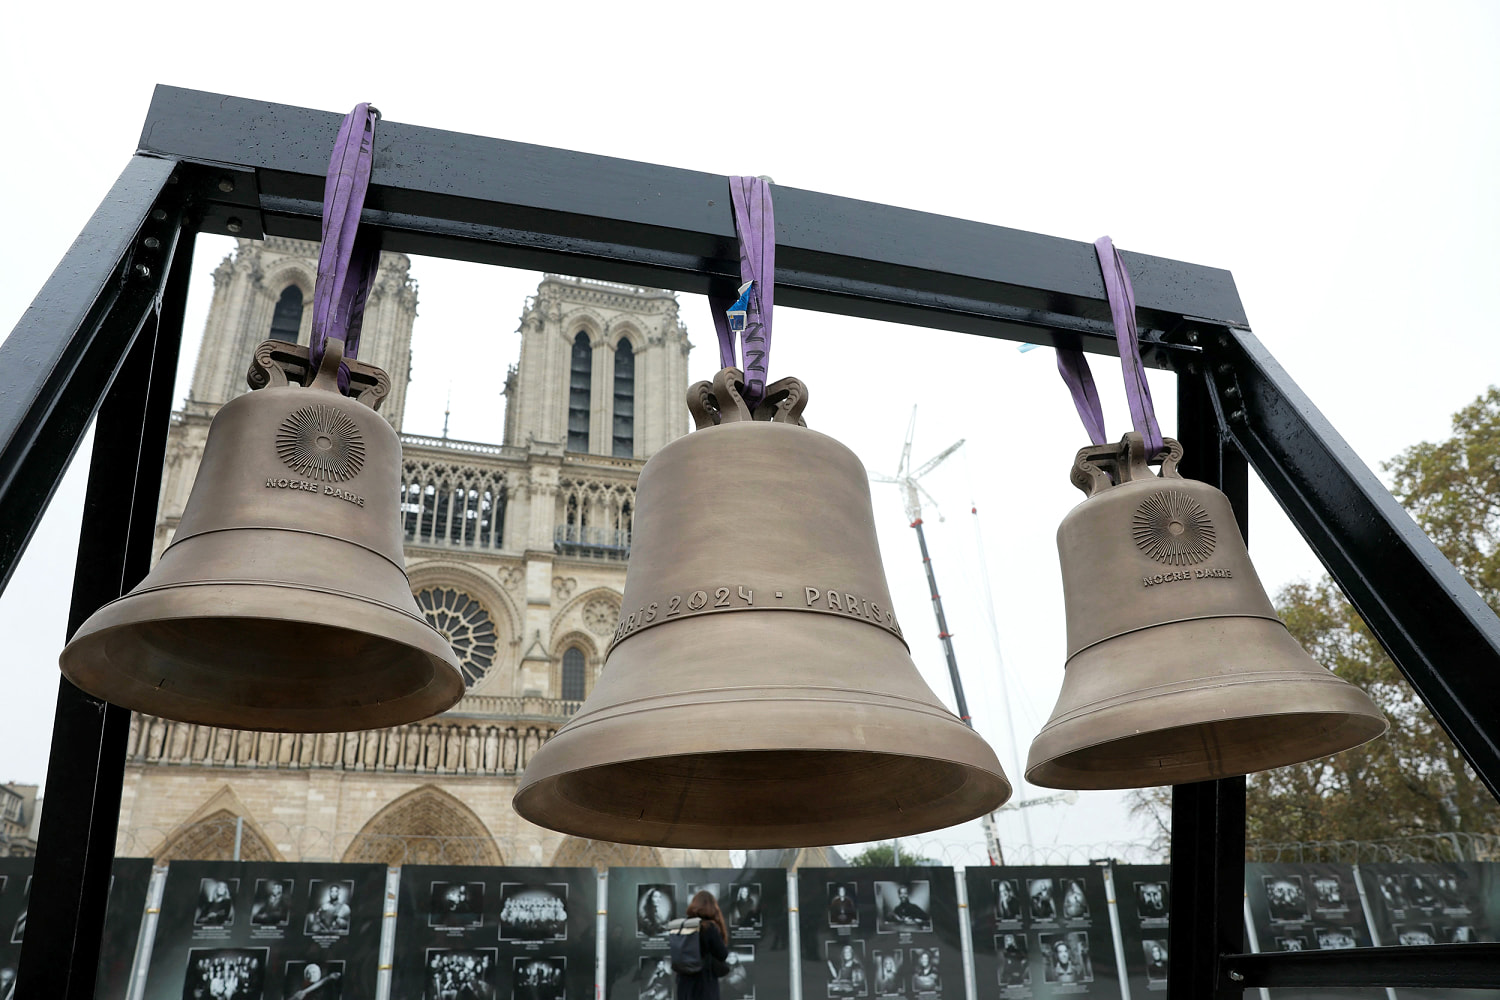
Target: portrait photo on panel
[(461, 972), (1415, 934), (842, 911), (1015, 959), (1284, 898), (538, 978), (655, 907), (1334, 938), (1042, 894), (318, 980), (455, 904), (1291, 942), (1151, 901), (1328, 893), (1155, 950), (328, 907), (903, 906), (1067, 957), (1007, 899), (926, 977), (272, 906), (1460, 934), (216, 902), (1449, 891), (1420, 892), (743, 909), (227, 973), (1391, 891), (1075, 906), (846, 968), (739, 982), (890, 971), (655, 979), (534, 911)]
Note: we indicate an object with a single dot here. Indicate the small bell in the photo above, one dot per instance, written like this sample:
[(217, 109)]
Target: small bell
[(282, 602), (1178, 669), (758, 691)]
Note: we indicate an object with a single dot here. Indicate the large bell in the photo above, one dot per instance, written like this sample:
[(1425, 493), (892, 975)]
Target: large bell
[(758, 691), (282, 602), (1178, 669)]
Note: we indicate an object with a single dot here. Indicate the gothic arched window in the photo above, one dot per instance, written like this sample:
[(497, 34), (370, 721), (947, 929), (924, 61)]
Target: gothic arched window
[(466, 625), (573, 672), (287, 319), (580, 377), (624, 435)]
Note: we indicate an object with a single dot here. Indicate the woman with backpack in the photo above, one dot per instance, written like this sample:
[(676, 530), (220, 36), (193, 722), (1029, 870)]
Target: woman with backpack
[(713, 948)]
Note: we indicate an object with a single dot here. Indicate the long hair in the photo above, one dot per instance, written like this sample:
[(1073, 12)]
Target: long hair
[(705, 907)]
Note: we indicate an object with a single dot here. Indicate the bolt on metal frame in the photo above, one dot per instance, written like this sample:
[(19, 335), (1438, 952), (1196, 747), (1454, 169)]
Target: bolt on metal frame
[(101, 340)]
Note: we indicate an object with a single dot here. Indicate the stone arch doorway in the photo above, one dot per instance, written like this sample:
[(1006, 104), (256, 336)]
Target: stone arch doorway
[(575, 852), (212, 839), (426, 826)]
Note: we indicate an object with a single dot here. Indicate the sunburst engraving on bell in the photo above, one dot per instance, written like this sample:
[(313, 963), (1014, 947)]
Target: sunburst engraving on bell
[(758, 691), (321, 442), (1173, 528)]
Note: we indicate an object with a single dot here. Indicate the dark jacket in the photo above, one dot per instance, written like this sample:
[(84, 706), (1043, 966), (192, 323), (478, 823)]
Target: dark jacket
[(704, 985)]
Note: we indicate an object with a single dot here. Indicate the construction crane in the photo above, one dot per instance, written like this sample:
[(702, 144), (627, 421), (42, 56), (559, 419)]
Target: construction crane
[(913, 494)]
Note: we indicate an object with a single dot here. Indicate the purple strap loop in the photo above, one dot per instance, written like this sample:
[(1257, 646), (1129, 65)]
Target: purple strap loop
[(755, 224), (1074, 367), (348, 258)]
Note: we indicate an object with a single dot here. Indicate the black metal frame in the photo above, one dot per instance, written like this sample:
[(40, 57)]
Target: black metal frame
[(101, 338)]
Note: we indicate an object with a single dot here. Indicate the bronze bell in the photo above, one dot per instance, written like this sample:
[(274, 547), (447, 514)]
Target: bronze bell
[(758, 691), (282, 601), (1178, 669)]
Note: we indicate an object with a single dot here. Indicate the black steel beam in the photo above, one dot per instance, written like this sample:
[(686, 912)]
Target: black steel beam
[(1446, 966), (1439, 632), (62, 356), (473, 198), (75, 848)]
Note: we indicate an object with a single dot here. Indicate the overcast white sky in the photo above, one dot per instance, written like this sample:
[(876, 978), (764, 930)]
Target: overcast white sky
[(1340, 159)]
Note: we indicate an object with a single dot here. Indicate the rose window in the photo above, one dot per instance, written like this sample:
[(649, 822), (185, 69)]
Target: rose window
[(466, 625)]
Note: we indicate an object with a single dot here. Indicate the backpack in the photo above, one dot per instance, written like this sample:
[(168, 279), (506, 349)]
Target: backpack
[(687, 949)]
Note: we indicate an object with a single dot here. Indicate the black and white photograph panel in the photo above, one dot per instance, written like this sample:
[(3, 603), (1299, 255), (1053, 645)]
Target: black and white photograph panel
[(655, 979), (1042, 893), (1291, 942), (536, 911), (456, 904), (1333, 938), (743, 908), (1391, 891), (216, 902), (903, 906), (225, 974), (320, 980), (1075, 905), (1067, 957), (1415, 934), (847, 974), (1156, 959), (1152, 901), (328, 908), (272, 906), (1460, 934), (842, 905), (534, 977), (1328, 893), (18, 932), (1420, 892), (7, 982), (890, 971), (739, 982), (460, 972), (926, 977), (655, 907), (1285, 900), (1015, 959), (1007, 899), (713, 888)]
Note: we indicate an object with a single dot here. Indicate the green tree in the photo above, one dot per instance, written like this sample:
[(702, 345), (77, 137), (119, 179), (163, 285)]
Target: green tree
[(1412, 780), (883, 855)]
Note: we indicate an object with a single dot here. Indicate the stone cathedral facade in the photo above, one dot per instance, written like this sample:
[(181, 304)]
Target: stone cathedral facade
[(515, 550)]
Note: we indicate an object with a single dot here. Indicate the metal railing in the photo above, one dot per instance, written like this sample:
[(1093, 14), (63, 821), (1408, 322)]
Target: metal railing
[(591, 543)]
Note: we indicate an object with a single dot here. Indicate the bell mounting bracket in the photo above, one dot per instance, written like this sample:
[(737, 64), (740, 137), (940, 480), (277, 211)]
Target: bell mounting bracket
[(1099, 466), (278, 363), (722, 401)]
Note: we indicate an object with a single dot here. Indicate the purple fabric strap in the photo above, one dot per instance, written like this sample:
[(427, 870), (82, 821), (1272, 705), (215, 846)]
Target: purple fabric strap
[(348, 259), (755, 223), (1074, 367)]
